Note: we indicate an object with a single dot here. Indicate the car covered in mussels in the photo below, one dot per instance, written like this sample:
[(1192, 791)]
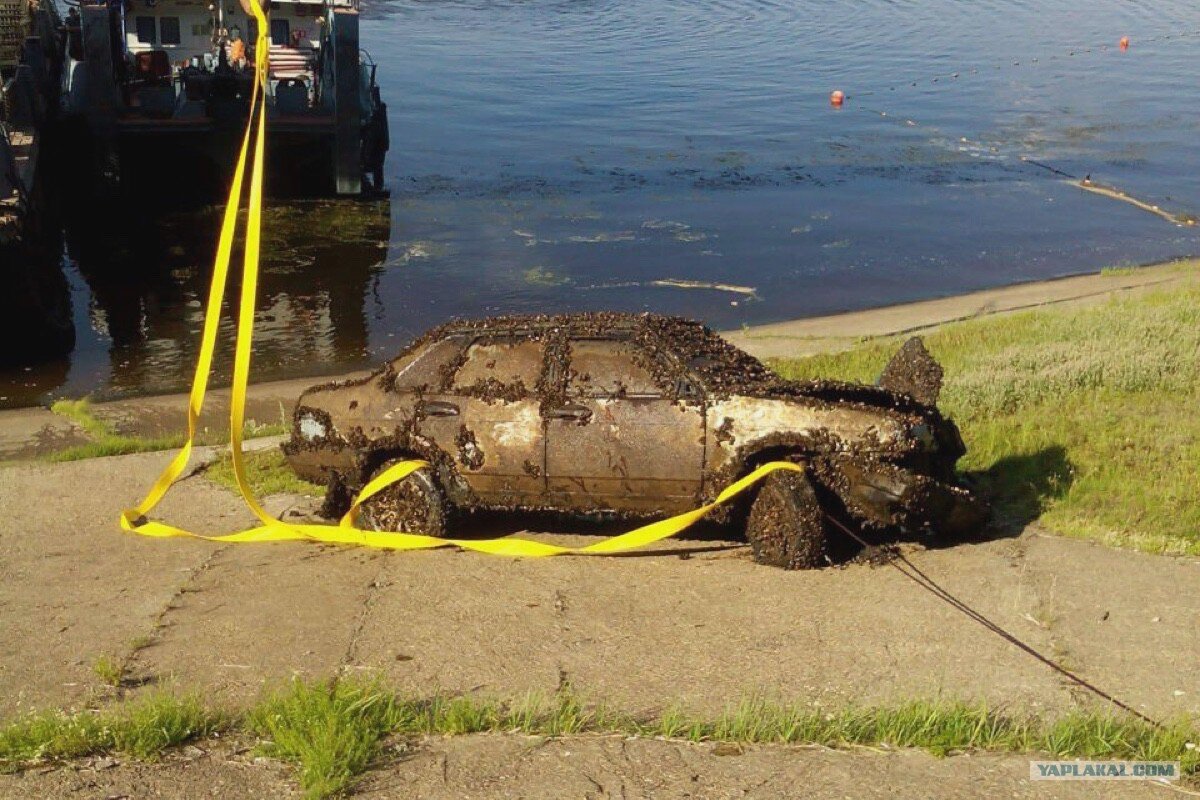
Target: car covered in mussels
[(641, 415)]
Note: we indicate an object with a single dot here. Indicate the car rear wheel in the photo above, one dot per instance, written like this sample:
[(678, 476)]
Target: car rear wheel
[(786, 527), (413, 505)]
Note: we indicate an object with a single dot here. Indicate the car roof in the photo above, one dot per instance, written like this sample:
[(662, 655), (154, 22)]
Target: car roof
[(720, 366), (716, 362), (586, 322)]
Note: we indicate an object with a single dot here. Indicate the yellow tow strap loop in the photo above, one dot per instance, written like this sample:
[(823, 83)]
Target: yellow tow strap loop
[(274, 530)]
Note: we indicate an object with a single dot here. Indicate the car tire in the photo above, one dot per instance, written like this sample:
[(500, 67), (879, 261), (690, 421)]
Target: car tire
[(414, 505), (786, 526)]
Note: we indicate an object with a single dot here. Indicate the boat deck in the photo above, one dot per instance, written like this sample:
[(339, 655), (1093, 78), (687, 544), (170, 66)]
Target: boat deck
[(306, 124), (22, 149)]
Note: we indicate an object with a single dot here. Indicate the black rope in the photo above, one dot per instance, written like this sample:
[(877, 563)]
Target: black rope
[(1051, 168), (927, 583)]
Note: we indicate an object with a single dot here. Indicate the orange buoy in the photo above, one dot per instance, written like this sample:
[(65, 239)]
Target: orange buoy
[(836, 98), (1124, 42)]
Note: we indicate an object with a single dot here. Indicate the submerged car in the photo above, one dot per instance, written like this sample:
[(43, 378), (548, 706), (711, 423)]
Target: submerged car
[(641, 415)]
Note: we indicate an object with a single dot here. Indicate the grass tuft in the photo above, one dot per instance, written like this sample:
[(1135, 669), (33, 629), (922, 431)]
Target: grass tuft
[(107, 441), (159, 720), (110, 671), (267, 472), (143, 728), (333, 730), (1083, 418)]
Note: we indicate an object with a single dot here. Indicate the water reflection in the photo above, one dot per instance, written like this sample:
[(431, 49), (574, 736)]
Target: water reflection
[(558, 155), (145, 277)]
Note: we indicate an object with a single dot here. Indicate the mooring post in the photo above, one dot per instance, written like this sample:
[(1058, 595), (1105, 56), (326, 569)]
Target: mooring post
[(347, 102), (102, 94)]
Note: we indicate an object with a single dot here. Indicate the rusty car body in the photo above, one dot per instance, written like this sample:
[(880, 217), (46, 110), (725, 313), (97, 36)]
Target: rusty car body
[(633, 414)]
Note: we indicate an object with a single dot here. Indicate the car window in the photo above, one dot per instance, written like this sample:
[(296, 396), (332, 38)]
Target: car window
[(426, 368), (608, 368), (512, 365)]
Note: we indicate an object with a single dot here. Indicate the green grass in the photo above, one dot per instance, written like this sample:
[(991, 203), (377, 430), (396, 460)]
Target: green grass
[(141, 728), (266, 470), (334, 730), (107, 441), (108, 670), (1082, 418), (1120, 269), (331, 730)]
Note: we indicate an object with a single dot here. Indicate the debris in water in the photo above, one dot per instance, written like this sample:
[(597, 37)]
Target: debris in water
[(679, 283), (543, 276), (615, 236)]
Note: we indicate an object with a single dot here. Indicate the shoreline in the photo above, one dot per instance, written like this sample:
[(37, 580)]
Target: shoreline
[(812, 335), (35, 431)]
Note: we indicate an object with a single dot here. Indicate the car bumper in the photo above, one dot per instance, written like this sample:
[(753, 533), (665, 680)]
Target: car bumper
[(315, 462), (886, 495)]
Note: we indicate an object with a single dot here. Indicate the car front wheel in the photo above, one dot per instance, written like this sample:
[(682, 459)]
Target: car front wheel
[(413, 505), (786, 527)]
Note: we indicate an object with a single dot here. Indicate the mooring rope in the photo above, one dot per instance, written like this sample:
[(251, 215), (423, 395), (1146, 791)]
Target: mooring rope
[(924, 581), (1181, 219)]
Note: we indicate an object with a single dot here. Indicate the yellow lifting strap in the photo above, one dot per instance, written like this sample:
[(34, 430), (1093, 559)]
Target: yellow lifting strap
[(271, 529)]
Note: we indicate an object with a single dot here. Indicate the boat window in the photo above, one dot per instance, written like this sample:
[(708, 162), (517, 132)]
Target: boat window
[(146, 30), (168, 28), (280, 32)]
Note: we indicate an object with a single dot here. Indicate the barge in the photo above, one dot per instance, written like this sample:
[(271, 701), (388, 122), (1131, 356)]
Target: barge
[(158, 87), (35, 309)]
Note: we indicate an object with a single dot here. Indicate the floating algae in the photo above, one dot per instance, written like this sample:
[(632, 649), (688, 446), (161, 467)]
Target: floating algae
[(543, 276)]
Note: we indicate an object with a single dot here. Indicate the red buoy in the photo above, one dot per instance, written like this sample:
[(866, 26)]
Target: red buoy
[(836, 98), (1124, 42)]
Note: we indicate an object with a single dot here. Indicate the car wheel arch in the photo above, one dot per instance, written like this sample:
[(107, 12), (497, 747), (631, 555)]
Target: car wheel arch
[(447, 475)]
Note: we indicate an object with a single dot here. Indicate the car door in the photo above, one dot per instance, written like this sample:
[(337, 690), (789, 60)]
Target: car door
[(619, 440), (487, 417)]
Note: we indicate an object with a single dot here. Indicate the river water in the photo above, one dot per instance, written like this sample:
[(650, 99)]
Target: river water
[(559, 155)]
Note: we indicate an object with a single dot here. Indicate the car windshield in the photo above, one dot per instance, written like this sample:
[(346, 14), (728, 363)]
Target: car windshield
[(719, 365)]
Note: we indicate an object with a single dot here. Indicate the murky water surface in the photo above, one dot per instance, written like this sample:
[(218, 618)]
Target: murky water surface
[(624, 154)]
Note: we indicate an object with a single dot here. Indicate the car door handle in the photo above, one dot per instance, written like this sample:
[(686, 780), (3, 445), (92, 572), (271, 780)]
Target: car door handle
[(439, 408), (577, 413)]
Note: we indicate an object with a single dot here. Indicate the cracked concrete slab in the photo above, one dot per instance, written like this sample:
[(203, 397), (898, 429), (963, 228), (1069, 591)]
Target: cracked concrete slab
[(639, 632), (707, 631), (73, 587), (219, 769), (612, 767), (595, 767), (263, 614)]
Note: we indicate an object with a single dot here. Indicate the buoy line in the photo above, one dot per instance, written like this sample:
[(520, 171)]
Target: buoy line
[(838, 98), (1181, 219), (1122, 45)]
